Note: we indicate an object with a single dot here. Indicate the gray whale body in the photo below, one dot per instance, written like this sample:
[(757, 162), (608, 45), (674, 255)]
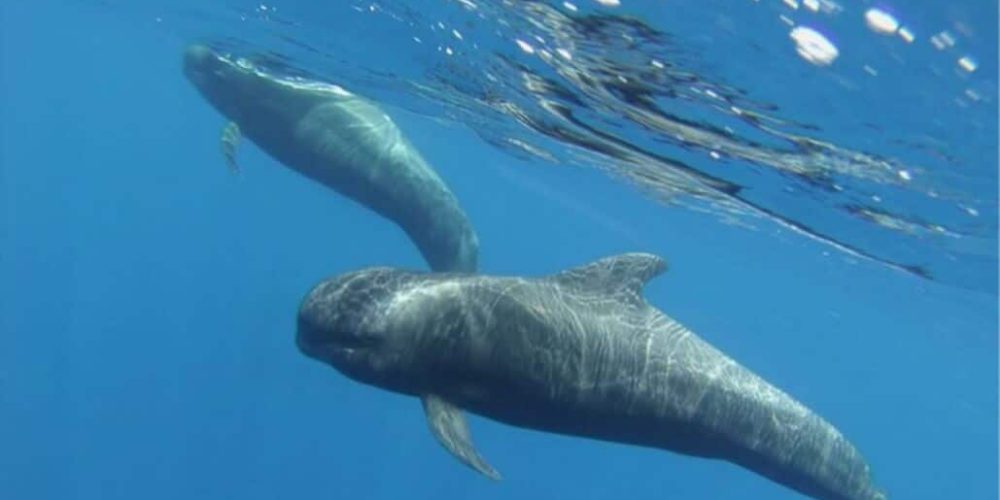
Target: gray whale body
[(343, 142), (578, 353)]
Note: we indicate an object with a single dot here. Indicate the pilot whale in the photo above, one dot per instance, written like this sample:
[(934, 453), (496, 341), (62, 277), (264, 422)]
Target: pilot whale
[(342, 141), (578, 353)]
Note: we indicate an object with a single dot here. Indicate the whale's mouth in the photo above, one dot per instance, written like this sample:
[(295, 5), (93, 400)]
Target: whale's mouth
[(322, 345), (344, 349), (356, 342)]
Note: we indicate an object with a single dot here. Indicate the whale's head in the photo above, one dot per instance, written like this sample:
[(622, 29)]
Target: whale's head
[(221, 80), (243, 90), (353, 323)]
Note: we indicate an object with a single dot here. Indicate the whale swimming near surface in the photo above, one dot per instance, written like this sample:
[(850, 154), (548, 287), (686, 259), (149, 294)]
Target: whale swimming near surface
[(342, 141), (579, 353)]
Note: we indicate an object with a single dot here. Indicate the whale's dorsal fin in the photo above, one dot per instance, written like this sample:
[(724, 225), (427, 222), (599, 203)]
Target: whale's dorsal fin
[(448, 425), (623, 274)]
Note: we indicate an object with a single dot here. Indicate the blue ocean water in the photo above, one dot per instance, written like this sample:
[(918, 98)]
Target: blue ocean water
[(148, 296)]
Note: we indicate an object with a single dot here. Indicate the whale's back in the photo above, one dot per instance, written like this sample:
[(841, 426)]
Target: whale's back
[(581, 361)]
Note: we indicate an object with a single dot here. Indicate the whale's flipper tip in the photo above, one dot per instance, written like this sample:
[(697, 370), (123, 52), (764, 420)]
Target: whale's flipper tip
[(448, 425), (230, 141)]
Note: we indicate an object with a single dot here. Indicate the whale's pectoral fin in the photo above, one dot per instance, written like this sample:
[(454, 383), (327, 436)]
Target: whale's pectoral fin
[(230, 140), (619, 275), (448, 425)]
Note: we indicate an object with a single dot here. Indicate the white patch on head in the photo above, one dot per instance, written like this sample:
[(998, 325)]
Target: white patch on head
[(412, 296), (294, 82)]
